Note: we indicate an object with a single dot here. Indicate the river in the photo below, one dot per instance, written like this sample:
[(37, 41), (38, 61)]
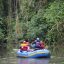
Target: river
[(12, 59)]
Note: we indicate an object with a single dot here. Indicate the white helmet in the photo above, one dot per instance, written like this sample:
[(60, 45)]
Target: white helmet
[(37, 38)]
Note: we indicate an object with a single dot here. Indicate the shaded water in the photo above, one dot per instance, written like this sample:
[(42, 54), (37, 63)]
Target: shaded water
[(12, 59), (33, 61)]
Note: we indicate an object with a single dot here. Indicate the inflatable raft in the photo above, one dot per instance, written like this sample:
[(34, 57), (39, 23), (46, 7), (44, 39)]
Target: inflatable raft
[(34, 53)]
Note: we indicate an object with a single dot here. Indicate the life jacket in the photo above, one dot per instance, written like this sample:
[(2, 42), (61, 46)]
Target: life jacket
[(25, 48), (23, 44), (37, 43), (42, 45)]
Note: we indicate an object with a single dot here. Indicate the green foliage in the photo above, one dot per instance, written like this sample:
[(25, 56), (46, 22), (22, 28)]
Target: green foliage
[(55, 12), (36, 18), (38, 25), (55, 17), (1, 30), (1, 35), (1, 7)]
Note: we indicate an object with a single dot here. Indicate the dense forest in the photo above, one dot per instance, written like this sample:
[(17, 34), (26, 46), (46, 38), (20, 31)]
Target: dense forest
[(28, 19)]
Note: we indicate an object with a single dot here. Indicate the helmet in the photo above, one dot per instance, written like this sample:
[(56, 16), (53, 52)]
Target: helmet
[(24, 42), (37, 39)]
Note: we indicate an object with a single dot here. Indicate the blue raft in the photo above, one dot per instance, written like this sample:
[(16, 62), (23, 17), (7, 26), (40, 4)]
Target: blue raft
[(41, 53)]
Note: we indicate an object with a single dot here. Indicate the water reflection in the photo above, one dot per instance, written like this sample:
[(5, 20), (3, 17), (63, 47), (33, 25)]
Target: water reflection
[(33, 61), (15, 60)]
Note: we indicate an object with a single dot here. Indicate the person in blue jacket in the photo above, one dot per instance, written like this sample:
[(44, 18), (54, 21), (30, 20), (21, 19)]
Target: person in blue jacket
[(36, 43)]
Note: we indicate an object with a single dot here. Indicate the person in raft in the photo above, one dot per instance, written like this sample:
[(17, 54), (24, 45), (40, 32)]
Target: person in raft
[(39, 44), (24, 46), (42, 45)]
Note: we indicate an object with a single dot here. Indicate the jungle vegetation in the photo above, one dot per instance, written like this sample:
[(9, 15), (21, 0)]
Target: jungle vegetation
[(21, 19)]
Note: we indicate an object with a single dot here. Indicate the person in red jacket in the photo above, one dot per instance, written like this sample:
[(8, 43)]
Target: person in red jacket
[(24, 46), (42, 45)]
